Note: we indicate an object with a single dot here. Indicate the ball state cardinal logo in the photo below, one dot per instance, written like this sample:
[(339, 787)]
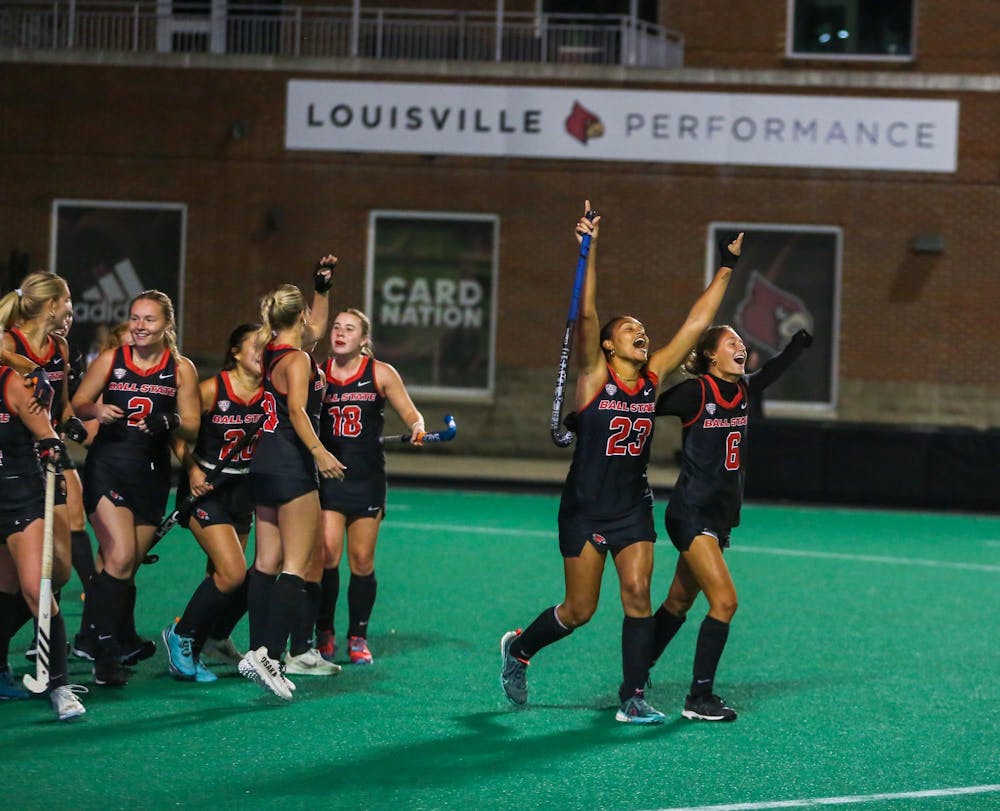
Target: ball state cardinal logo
[(769, 316), (583, 124)]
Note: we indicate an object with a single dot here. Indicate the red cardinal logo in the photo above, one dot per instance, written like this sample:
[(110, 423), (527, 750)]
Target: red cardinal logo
[(583, 124), (769, 316)]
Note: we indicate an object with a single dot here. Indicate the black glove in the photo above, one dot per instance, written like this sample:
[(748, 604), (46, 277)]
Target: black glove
[(73, 429), (571, 422), (43, 389), (729, 259), (321, 283), (803, 339), (51, 451), (161, 422)]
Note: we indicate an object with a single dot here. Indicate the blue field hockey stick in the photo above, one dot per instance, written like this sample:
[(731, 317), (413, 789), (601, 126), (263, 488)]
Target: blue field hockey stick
[(446, 435)]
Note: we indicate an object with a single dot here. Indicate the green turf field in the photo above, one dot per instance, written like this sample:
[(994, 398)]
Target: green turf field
[(863, 661)]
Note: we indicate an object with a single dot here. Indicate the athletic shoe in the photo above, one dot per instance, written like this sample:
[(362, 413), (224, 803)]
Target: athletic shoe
[(708, 707), (636, 710), (326, 644), (65, 702), (202, 674), (221, 650), (136, 650), (10, 690), (180, 660), (357, 649), (84, 646), (265, 671), (108, 671), (310, 663), (513, 672)]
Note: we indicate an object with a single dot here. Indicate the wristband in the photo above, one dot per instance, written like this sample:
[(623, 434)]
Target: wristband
[(729, 259)]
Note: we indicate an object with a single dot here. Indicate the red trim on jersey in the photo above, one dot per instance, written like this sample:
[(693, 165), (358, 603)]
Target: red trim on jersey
[(224, 374), (27, 347), (160, 366), (728, 404), (328, 372), (701, 408), (638, 383)]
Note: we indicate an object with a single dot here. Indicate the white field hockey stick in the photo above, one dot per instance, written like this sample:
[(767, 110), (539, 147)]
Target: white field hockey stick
[(39, 683), (446, 435)]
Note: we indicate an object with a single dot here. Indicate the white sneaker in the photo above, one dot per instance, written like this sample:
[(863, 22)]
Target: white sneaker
[(221, 650), (65, 702), (261, 668), (310, 663)]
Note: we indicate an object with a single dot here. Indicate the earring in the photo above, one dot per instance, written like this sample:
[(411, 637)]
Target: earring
[(611, 354), (713, 362)]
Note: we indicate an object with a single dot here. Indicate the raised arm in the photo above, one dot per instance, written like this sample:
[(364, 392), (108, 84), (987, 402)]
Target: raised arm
[(319, 313), (666, 359), (590, 358)]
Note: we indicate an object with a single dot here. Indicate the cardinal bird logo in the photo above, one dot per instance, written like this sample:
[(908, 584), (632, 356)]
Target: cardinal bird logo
[(769, 316), (583, 124)]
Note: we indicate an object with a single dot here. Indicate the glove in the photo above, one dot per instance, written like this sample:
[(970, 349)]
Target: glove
[(729, 259), (802, 338), (73, 429), (321, 283), (571, 422), (161, 422), (51, 452), (43, 389)]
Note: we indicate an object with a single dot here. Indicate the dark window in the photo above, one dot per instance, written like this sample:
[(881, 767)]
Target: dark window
[(646, 10), (880, 28)]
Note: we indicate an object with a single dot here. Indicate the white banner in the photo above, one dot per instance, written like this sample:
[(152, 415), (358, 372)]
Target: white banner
[(834, 132)]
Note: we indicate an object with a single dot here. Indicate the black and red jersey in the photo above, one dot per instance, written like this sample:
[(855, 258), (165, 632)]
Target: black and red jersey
[(17, 444), (51, 360), (225, 424), (353, 419), (607, 477)]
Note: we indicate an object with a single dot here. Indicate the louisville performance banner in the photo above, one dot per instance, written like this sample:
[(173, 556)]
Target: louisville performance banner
[(836, 132), (109, 251), (431, 297), (788, 279)]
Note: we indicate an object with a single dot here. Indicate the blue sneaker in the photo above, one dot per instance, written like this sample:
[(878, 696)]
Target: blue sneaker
[(10, 690), (636, 710), (179, 657), (203, 674)]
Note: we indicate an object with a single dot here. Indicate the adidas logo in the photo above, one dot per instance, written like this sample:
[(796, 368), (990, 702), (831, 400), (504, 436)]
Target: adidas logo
[(108, 300)]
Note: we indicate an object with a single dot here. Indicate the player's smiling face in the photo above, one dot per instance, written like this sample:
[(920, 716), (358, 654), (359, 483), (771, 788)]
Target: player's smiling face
[(730, 355), (146, 323), (347, 336), (630, 340)]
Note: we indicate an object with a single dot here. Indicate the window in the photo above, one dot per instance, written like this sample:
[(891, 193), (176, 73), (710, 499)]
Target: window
[(844, 29)]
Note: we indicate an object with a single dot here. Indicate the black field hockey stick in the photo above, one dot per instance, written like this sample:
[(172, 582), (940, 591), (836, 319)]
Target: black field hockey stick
[(189, 500), (564, 439), (446, 435), (39, 683)]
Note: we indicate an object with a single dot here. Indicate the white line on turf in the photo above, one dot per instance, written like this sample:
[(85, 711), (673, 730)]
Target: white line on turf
[(762, 550), (858, 799)]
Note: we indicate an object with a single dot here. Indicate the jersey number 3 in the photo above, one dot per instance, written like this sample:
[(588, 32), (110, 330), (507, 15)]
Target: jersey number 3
[(620, 442)]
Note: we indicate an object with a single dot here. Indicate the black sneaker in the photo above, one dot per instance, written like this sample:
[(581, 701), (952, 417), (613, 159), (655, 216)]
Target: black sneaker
[(708, 707), (136, 650), (108, 671), (84, 647), (512, 674)]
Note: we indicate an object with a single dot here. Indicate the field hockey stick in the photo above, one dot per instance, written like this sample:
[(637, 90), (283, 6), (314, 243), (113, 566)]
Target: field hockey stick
[(564, 439), (188, 501), (39, 683), (446, 435)]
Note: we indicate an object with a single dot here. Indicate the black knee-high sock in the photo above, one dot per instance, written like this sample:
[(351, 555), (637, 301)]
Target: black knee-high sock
[(329, 592), (260, 587), (231, 613), (667, 626), (106, 600), (127, 633), (287, 597), (82, 555), (301, 638), (14, 612), (360, 601), (637, 643), (57, 652), (545, 630), (712, 638), (201, 611)]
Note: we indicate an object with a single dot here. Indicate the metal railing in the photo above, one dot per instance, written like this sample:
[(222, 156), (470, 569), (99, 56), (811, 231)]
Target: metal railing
[(340, 32)]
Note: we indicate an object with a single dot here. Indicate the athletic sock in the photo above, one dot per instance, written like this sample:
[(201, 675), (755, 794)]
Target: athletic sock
[(287, 597), (329, 592), (712, 638), (127, 634), (110, 599), (231, 612), (82, 555), (667, 626), (637, 643), (202, 609), (360, 601), (545, 630), (14, 612), (301, 638), (260, 588), (57, 651)]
